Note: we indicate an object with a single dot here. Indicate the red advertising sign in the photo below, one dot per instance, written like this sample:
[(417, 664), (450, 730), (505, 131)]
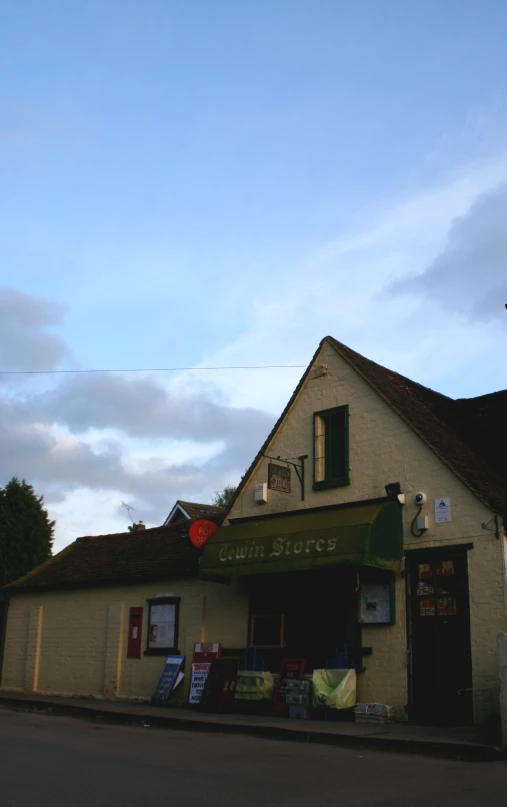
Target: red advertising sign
[(200, 531), (204, 654), (291, 669)]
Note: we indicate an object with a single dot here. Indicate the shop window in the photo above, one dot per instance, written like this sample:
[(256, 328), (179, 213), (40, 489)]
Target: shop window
[(163, 619), (331, 448), (266, 630)]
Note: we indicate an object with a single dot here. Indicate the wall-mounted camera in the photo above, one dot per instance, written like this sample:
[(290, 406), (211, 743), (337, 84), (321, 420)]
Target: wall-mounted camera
[(420, 498)]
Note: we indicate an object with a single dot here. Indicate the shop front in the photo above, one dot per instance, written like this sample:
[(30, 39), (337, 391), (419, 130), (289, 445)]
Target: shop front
[(313, 579)]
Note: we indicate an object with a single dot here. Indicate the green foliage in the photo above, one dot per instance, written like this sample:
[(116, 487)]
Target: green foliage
[(26, 533), (222, 498)]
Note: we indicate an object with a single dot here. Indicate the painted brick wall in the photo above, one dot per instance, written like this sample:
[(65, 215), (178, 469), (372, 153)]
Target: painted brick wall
[(75, 642), (383, 448)]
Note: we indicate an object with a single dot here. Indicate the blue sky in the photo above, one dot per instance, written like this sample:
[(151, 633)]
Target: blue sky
[(188, 183)]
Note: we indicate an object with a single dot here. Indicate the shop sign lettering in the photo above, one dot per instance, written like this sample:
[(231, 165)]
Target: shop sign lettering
[(283, 546)]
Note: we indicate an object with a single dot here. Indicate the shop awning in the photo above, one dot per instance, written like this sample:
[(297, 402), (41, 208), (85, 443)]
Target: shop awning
[(365, 535)]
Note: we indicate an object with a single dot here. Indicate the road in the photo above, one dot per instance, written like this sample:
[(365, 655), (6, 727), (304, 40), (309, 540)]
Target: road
[(46, 760)]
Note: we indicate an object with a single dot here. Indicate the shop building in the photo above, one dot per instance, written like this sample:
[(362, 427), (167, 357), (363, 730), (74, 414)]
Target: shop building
[(331, 545), (100, 618)]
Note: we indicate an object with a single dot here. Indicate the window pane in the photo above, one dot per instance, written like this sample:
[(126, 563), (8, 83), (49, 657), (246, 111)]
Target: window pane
[(335, 445), (320, 448), (162, 625)]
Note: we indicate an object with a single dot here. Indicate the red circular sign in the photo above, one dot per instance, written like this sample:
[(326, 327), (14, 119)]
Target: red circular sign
[(200, 531)]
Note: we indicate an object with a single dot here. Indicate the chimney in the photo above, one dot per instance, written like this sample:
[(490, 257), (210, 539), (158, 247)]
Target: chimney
[(141, 526)]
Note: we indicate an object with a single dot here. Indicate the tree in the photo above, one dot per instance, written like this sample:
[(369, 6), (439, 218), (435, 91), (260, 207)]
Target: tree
[(26, 533), (222, 498)]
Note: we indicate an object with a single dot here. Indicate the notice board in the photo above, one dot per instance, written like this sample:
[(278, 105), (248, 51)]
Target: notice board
[(376, 603)]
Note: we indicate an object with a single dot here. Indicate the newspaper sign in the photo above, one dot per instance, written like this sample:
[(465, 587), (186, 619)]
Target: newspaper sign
[(169, 679), (200, 673)]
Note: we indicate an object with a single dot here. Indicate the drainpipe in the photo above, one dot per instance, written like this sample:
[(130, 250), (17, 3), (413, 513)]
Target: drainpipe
[(502, 674), (4, 606)]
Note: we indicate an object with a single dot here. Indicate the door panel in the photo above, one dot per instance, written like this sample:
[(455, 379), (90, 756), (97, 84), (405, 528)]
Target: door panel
[(439, 625)]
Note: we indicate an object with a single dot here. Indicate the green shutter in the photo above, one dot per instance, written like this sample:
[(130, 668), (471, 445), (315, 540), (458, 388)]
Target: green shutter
[(336, 447)]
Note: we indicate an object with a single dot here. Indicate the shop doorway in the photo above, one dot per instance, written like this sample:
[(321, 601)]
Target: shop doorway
[(310, 615), (440, 670)]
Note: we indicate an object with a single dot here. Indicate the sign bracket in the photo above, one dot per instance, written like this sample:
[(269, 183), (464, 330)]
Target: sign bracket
[(489, 528), (299, 469)]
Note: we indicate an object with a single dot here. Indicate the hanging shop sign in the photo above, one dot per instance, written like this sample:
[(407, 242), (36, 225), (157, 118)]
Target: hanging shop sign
[(169, 679), (201, 531), (279, 478)]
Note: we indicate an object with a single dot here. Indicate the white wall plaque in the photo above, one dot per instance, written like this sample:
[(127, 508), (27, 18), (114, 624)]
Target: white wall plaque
[(442, 510)]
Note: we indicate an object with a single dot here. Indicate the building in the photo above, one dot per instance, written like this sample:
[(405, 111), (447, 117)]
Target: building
[(99, 618), (190, 510), (374, 517)]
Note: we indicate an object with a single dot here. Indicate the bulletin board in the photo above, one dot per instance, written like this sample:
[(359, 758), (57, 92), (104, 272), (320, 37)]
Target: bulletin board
[(376, 602)]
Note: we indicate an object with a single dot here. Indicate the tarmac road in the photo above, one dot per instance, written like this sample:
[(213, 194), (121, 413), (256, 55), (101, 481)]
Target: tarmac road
[(46, 760)]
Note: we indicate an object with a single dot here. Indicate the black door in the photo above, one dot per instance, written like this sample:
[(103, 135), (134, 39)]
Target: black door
[(439, 638)]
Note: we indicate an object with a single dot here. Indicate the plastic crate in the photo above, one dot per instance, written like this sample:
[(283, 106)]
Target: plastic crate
[(299, 711), (298, 693), (374, 713)]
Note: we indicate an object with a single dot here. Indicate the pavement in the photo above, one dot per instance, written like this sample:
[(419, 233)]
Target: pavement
[(462, 743), (54, 761)]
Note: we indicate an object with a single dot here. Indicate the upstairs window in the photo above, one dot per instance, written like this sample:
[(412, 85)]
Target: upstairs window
[(331, 448)]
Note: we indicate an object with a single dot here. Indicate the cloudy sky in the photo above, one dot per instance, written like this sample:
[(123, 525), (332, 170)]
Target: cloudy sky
[(206, 184)]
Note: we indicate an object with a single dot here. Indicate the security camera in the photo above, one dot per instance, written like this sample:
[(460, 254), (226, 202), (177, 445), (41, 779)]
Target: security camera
[(420, 498)]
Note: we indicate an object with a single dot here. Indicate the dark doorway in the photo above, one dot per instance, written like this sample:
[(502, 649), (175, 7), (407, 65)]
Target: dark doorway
[(440, 679), (318, 610)]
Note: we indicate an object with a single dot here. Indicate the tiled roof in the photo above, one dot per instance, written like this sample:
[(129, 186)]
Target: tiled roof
[(468, 434), (482, 423), (162, 553), (449, 427), (195, 510)]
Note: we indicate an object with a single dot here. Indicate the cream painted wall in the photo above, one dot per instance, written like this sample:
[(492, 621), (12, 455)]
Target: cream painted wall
[(383, 448), (76, 641)]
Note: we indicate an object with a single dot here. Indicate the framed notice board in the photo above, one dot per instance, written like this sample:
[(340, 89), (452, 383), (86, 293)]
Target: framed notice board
[(377, 602)]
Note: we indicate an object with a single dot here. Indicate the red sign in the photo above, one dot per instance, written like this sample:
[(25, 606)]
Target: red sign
[(200, 531), (291, 669), (206, 652)]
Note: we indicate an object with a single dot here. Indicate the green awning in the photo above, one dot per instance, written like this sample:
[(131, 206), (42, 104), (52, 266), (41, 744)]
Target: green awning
[(366, 535)]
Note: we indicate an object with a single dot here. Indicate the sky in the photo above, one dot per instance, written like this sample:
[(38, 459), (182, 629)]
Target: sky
[(211, 184)]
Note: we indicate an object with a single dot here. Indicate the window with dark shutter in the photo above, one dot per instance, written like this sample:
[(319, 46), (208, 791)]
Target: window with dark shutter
[(331, 448)]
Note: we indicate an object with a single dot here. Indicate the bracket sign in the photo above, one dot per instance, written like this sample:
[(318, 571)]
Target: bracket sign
[(299, 469)]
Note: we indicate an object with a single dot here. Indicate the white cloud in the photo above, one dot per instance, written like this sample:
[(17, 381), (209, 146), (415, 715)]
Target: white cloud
[(341, 291), (89, 442)]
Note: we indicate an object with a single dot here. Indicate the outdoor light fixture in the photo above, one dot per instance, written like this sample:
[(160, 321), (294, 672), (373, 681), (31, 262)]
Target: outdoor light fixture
[(394, 489)]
